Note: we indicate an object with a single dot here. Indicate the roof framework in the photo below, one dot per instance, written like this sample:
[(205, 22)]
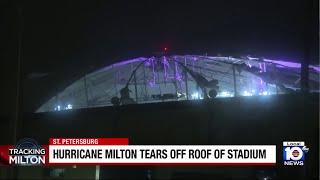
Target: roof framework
[(163, 78)]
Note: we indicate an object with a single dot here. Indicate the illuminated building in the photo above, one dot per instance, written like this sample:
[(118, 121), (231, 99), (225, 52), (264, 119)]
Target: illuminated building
[(169, 78)]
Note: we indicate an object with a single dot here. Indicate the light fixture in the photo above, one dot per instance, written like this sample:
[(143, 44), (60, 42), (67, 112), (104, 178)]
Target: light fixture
[(225, 94), (57, 108), (69, 106), (195, 95), (264, 93), (247, 93)]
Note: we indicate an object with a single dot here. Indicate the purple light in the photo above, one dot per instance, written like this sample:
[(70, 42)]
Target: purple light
[(292, 64), (165, 66), (147, 63), (178, 76), (193, 58), (279, 62), (260, 66), (316, 68), (152, 84), (285, 63), (173, 73)]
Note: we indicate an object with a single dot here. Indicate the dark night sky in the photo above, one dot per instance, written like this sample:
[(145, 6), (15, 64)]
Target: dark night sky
[(68, 38)]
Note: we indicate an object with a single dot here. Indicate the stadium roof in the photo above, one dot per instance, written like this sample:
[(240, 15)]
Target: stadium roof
[(169, 78)]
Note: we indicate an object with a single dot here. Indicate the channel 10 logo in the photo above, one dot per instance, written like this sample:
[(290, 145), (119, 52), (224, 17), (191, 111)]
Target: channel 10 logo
[(294, 153)]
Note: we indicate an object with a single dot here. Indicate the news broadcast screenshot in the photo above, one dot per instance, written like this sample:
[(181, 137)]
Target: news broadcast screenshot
[(160, 89)]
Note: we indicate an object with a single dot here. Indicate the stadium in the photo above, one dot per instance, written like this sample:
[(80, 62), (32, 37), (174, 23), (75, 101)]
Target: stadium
[(181, 77)]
